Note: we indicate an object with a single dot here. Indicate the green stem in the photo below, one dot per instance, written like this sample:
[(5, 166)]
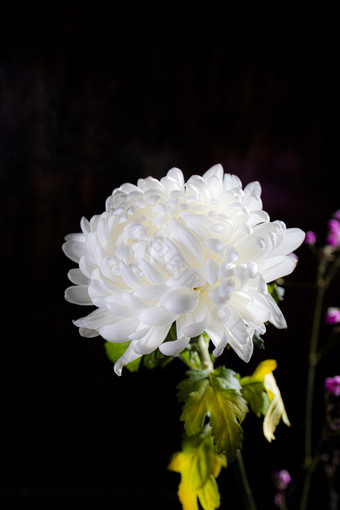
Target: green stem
[(313, 361), (247, 490), (204, 350)]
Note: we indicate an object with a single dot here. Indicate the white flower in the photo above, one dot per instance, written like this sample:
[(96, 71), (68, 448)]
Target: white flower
[(198, 253)]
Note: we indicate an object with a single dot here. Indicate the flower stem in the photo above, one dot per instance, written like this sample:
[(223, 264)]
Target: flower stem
[(204, 350), (249, 499), (312, 363)]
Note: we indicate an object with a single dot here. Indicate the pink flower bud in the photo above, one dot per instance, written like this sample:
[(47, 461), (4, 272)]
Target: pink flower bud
[(333, 315), (310, 237), (332, 385), (333, 237), (282, 479)]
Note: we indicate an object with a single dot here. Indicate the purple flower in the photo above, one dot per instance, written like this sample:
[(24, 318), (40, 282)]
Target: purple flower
[(310, 237), (333, 315), (332, 385), (282, 479), (334, 232)]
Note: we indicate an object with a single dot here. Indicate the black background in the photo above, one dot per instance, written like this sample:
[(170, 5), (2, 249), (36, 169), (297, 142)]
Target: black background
[(92, 96)]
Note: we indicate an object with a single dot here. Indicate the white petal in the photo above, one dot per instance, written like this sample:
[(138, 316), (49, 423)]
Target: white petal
[(131, 278), (220, 347), (191, 279), (140, 332), (174, 347), (215, 170), (189, 243), (119, 331), (214, 184), (151, 340), (128, 356), (77, 277), (211, 269), (151, 274), (231, 181), (276, 267), (253, 188), (194, 323), (152, 293), (88, 333), (177, 175), (157, 316), (78, 295), (180, 301), (216, 331), (95, 320), (74, 249), (293, 238), (85, 225)]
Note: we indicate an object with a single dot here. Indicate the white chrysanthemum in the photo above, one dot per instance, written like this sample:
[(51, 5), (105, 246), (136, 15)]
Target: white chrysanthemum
[(198, 253)]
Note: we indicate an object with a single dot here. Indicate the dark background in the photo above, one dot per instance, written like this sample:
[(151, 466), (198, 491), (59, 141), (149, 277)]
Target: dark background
[(93, 96)]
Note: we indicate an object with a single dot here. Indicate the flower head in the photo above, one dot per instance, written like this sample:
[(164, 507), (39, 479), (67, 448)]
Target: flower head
[(198, 254)]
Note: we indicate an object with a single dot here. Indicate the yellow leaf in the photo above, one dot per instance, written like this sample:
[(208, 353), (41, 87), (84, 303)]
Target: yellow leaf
[(276, 410), (199, 465)]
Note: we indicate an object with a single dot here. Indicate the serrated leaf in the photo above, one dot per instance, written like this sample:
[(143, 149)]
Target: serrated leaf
[(227, 410), (190, 384), (195, 408), (115, 350), (219, 394), (199, 465)]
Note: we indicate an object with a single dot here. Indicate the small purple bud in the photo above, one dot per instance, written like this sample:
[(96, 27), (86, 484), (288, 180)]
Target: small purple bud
[(284, 476), (310, 237), (334, 226), (332, 385), (333, 315), (282, 479), (336, 215), (333, 237)]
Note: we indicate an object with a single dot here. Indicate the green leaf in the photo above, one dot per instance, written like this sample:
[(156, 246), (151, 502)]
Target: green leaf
[(195, 408), (258, 341), (115, 350), (219, 394), (156, 359), (199, 465), (190, 384), (227, 410), (255, 394), (191, 357)]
